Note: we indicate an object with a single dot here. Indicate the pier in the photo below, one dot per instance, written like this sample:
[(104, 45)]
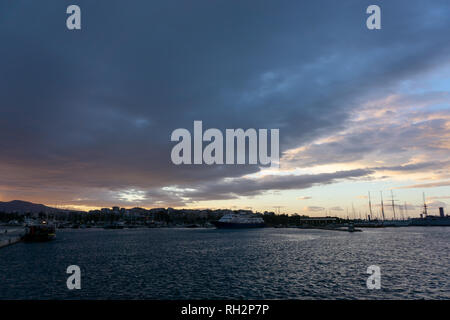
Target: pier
[(10, 235)]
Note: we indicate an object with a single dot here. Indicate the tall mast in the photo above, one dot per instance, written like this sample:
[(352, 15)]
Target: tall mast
[(406, 211), (393, 205), (382, 205), (370, 207), (425, 211), (353, 211)]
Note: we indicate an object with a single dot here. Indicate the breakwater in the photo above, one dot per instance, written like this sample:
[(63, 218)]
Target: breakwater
[(10, 235)]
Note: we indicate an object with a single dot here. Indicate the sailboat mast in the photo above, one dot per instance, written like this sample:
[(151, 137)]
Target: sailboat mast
[(370, 207), (353, 211), (393, 205), (425, 211), (382, 205), (406, 211)]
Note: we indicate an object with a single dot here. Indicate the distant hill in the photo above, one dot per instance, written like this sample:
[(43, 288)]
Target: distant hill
[(25, 207)]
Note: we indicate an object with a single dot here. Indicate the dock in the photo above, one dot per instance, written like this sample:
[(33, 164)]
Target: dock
[(10, 235)]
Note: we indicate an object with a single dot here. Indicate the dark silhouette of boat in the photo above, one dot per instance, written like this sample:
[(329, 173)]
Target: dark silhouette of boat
[(39, 232), (114, 225), (426, 220), (431, 221)]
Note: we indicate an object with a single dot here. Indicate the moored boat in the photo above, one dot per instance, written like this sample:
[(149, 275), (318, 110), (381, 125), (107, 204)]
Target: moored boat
[(39, 232), (114, 225), (239, 221)]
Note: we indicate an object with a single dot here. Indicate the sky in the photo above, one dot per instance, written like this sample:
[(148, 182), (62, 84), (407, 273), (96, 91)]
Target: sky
[(86, 115)]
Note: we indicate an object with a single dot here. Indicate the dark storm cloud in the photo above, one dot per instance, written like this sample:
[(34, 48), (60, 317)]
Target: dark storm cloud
[(95, 108), (251, 187)]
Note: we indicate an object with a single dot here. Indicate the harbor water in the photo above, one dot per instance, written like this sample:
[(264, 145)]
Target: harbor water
[(270, 263)]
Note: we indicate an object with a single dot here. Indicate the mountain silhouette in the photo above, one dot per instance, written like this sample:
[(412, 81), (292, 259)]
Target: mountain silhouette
[(20, 206)]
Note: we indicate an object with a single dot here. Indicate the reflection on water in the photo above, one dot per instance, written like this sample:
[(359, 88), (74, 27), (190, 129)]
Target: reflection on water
[(230, 264)]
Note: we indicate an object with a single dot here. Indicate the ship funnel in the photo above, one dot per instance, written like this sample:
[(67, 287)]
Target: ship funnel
[(441, 212)]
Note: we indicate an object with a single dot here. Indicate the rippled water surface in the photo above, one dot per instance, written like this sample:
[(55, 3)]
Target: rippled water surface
[(230, 264)]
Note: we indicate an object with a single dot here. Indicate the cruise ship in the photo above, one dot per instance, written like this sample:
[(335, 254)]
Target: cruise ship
[(239, 221)]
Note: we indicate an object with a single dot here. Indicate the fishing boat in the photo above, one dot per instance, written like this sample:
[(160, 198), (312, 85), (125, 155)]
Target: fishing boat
[(39, 232)]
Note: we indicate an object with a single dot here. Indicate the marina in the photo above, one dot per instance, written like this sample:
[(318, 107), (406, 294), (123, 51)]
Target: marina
[(191, 254), (30, 228)]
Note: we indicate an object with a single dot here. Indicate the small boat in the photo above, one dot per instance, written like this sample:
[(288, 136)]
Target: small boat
[(192, 226), (39, 232), (114, 225)]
